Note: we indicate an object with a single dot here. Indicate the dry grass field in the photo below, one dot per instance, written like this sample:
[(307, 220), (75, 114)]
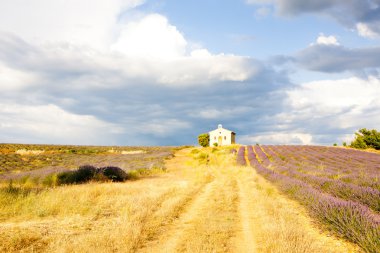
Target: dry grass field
[(203, 202)]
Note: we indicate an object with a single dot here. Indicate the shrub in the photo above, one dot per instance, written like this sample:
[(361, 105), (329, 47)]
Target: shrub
[(82, 175), (50, 180), (202, 158), (134, 174), (366, 139), (195, 151), (85, 173), (204, 139), (114, 173)]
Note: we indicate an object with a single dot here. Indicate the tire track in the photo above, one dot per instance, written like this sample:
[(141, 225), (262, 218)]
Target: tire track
[(172, 235), (245, 241)]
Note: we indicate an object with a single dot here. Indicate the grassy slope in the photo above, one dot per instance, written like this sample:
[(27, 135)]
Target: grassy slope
[(197, 206)]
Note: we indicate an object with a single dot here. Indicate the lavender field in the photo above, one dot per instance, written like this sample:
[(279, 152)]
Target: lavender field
[(35, 162), (340, 187)]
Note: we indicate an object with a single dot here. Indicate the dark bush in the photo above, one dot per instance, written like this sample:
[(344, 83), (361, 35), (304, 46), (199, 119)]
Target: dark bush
[(66, 177), (87, 172), (82, 175), (114, 173)]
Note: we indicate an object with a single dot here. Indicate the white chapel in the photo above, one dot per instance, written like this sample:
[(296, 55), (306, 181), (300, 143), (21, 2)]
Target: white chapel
[(222, 136)]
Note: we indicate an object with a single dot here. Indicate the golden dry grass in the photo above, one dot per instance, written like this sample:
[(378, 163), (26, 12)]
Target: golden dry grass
[(200, 205)]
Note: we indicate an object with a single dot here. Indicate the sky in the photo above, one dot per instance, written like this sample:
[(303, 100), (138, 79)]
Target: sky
[(160, 72)]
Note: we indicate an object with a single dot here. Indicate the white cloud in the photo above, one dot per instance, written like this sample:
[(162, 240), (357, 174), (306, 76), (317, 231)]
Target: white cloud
[(156, 49), (45, 123), (346, 103), (327, 40), (359, 14), (163, 128), (278, 138), (263, 12), (336, 94), (204, 70), (365, 31), (151, 37), (334, 58), (220, 113), (84, 22), (146, 49), (59, 54), (15, 80)]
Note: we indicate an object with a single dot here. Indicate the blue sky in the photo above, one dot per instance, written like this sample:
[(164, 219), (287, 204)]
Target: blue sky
[(135, 72)]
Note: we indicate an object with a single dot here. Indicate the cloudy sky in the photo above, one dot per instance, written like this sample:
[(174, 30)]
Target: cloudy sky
[(160, 72)]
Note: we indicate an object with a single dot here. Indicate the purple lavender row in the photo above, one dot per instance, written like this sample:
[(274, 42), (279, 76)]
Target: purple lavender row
[(262, 156), (359, 174), (357, 159), (252, 156), (350, 174), (240, 157), (365, 195), (307, 165), (350, 219)]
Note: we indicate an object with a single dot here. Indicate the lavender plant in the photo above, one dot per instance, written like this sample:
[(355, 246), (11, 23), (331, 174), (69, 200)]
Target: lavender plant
[(341, 207)]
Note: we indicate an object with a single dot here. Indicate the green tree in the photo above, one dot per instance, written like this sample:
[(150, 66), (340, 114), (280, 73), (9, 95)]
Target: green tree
[(204, 140), (366, 139)]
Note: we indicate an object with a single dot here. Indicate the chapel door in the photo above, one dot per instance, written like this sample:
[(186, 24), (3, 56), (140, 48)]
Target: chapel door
[(220, 141)]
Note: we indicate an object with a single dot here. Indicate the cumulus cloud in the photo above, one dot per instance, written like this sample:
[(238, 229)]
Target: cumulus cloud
[(278, 138), (328, 56), (50, 124), (319, 112), (153, 43), (85, 22), (15, 80), (365, 30), (327, 40), (332, 110), (144, 85), (352, 92), (357, 14), (151, 37), (218, 113), (148, 48), (102, 78)]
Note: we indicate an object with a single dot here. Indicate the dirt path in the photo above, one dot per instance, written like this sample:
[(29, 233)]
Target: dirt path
[(204, 225), (172, 235), (245, 239), (238, 211)]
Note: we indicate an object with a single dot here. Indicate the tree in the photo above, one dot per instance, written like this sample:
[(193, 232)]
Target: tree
[(204, 140), (366, 139)]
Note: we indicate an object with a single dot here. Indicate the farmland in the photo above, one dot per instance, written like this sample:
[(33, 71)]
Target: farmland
[(32, 163), (202, 202), (340, 187)]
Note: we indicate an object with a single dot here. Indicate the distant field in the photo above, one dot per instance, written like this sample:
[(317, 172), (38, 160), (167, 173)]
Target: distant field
[(340, 187), (203, 202), (20, 160)]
